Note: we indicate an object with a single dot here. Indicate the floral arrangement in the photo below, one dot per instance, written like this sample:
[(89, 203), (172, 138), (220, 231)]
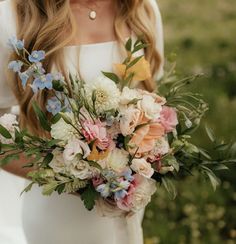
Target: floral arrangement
[(104, 139)]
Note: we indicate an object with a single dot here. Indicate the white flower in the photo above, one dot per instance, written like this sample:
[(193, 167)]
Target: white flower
[(161, 146), (58, 164), (151, 108), (74, 147), (143, 193), (130, 118), (80, 169), (63, 131), (106, 93), (128, 95), (142, 167), (117, 160), (9, 122)]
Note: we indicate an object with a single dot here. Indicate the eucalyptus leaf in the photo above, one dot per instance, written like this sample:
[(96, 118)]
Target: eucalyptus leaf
[(4, 132), (49, 188), (170, 187), (112, 76)]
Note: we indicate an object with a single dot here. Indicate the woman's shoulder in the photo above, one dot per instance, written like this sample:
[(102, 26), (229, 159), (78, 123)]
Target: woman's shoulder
[(7, 20)]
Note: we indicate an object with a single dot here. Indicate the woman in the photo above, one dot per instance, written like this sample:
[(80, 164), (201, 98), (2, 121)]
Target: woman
[(86, 37)]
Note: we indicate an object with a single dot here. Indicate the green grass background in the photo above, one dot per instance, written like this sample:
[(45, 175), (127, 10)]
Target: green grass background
[(203, 34)]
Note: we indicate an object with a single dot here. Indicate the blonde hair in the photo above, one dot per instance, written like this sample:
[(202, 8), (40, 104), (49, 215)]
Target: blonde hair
[(49, 25)]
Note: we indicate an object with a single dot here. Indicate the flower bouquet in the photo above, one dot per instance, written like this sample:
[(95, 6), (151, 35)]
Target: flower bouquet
[(105, 140)]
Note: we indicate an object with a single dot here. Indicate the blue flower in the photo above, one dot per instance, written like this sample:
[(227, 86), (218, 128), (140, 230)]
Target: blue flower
[(128, 175), (104, 189), (120, 194), (15, 65), (53, 105), (16, 44), (42, 82), (124, 184), (24, 78), (37, 69), (36, 56)]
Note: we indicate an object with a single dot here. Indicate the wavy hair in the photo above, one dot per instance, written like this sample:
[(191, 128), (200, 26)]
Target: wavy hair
[(50, 26)]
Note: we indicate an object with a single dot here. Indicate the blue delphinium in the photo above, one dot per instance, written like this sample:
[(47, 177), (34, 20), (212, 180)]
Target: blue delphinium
[(36, 69), (16, 44), (42, 82), (37, 56), (53, 105), (120, 194), (24, 78), (15, 65), (104, 189), (128, 175)]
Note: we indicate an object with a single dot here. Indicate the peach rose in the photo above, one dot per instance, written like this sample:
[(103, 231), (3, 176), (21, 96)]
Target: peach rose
[(144, 138)]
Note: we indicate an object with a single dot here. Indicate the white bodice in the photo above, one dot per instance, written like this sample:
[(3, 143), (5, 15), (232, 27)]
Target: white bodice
[(90, 59)]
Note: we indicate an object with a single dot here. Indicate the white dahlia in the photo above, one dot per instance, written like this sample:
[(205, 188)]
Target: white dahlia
[(105, 92)]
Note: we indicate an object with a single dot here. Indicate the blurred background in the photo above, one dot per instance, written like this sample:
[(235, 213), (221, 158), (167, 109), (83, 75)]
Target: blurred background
[(203, 35)]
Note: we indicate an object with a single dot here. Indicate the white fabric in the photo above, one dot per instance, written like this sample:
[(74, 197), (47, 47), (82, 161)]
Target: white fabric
[(60, 219)]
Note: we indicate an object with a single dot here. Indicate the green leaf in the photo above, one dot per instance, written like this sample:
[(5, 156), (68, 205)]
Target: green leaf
[(133, 62), (47, 159), (52, 143), (171, 161), (112, 76), (213, 179), (128, 45), (4, 132), (88, 196), (41, 117), (28, 188), (49, 188), (60, 189), (221, 167), (138, 47), (210, 133), (95, 165), (55, 118), (170, 187)]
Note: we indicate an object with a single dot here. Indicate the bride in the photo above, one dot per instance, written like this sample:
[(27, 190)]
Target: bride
[(86, 37)]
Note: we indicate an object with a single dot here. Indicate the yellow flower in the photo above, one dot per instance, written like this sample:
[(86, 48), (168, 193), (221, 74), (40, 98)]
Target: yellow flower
[(141, 70), (95, 155)]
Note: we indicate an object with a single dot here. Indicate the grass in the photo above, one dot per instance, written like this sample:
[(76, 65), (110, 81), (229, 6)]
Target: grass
[(202, 33)]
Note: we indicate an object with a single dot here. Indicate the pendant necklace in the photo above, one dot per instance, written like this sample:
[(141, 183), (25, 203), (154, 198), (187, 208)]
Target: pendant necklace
[(92, 14)]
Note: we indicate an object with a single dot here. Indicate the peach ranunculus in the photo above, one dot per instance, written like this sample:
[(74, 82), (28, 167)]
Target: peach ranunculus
[(144, 138)]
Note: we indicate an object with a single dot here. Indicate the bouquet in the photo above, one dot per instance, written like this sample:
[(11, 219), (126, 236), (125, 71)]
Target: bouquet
[(105, 140)]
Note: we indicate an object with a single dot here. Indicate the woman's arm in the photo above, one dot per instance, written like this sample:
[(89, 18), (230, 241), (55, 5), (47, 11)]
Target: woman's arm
[(16, 167)]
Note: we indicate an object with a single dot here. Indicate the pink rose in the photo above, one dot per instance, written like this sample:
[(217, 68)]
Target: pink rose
[(139, 194), (96, 131), (168, 118)]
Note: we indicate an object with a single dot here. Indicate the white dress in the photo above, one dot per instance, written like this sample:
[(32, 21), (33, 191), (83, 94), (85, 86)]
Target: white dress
[(60, 219)]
